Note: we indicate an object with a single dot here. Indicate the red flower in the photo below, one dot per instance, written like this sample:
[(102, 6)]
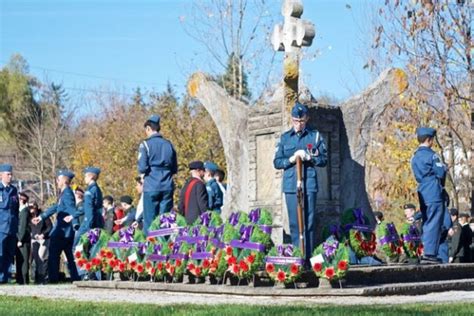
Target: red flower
[(231, 260), (139, 268), (152, 271), (121, 266), (270, 268), (197, 271), (159, 266), (372, 237), (148, 264), (329, 273), (151, 239), (243, 266), (281, 276), (88, 266), (229, 250), (110, 255), (205, 263), (103, 253), (178, 263), (419, 250), (191, 266), (95, 262), (399, 250), (392, 247), (342, 265), (80, 263), (133, 264), (170, 245), (317, 267), (167, 266), (235, 269), (77, 254), (294, 269), (251, 259), (171, 270), (357, 236), (309, 146)]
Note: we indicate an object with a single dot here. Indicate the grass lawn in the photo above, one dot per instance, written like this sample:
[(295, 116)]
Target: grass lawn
[(35, 306)]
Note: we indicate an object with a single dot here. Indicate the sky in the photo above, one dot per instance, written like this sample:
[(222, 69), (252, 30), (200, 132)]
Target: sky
[(103, 44)]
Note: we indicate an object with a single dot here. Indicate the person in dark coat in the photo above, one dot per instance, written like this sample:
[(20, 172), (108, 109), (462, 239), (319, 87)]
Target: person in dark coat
[(461, 241), (109, 213), (40, 244), (193, 198), (23, 236)]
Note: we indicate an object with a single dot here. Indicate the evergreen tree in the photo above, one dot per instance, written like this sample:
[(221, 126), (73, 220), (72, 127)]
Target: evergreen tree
[(234, 80)]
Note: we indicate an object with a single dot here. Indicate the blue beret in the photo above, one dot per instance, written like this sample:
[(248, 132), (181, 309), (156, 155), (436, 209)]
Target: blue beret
[(6, 168), (154, 119), (299, 110), (93, 170), (425, 131), (66, 173), (210, 166), (196, 165)]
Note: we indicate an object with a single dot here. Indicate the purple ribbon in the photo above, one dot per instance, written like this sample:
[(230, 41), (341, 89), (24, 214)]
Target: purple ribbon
[(330, 248), (285, 251), (205, 218), (142, 246), (157, 249), (284, 260), (217, 232), (248, 245), (157, 257), (392, 235), (201, 246), (180, 256), (93, 235), (163, 232), (267, 229), (121, 244), (201, 255), (245, 232), (234, 218), (334, 230), (127, 234), (176, 247), (168, 220), (254, 215), (359, 223), (412, 235)]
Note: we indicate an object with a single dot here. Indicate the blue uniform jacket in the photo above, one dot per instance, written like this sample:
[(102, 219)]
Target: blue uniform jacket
[(130, 218), (92, 208), (214, 194), (289, 143), (430, 174), (157, 161), (9, 209), (66, 206)]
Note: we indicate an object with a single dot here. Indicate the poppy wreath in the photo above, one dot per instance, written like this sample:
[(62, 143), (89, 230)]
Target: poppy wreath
[(201, 259), (263, 218), (208, 219), (167, 224), (129, 248), (238, 218), (175, 266), (284, 263), (90, 252), (331, 260), (253, 243), (389, 243), (156, 257), (228, 254), (356, 228), (411, 237)]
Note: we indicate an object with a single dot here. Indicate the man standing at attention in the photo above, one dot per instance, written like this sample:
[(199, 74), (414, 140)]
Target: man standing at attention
[(157, 163), (308, 144), (9, 207), (430, 174), (193, 196)]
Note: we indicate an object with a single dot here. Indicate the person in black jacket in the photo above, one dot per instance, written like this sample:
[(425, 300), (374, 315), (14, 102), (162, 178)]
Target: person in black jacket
[(461, 241), (40, 244), (22, 256), (193, 199), (108, 213)]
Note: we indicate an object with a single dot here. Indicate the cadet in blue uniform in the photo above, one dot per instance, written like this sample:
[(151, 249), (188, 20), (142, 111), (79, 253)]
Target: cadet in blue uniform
[(430, 174), (9, 208), (214, 193), (309, 145), (157, 163), (62, 234), (92, 204)]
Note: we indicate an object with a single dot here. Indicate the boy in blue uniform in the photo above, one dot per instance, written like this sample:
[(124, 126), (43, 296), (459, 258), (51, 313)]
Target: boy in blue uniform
[(157, 163), (430, 174), (214, 193), (309, 145), (9, 208), (62, 235)]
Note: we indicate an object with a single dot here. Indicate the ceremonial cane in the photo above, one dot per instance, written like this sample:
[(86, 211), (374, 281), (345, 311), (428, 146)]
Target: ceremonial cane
[(300, 199)]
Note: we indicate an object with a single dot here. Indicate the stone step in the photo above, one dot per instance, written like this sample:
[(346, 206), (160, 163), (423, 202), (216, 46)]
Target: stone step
[(415, 288)]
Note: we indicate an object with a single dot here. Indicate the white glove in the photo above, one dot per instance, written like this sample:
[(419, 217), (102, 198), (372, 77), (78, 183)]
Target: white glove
[(293, 158), (303, 155)]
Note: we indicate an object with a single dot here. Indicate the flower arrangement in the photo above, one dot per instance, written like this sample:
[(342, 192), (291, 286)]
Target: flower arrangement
[(390, 245), (331, 260), (176, 264), (157, 256), (208, 219), (360, 234), (166, 224), (284, 263), (411, 237), (129, 247), (262, 218), (88, 252)]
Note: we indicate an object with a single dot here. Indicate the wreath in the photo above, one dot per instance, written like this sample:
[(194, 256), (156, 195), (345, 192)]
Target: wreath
[(411, 237), (156, 258), (238, 218), (179, 254), (165, 225), (331, 260), (90, 252), (284, 263), (129, 247), (360, 234), (390, 245), (208, 219), (262, 218)]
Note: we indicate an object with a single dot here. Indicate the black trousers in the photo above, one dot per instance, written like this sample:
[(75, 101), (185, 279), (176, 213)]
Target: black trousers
[(41, 266), (22, 258), (56, 246)]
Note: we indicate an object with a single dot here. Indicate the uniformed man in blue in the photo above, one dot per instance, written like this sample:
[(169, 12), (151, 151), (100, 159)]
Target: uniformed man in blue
[(214, 193), (430, 174), (157, 163), (92, 206), (308, 144), (9, 208), (62, 234)]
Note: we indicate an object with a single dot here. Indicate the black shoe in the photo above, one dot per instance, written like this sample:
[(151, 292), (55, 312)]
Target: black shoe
[(429, 260)]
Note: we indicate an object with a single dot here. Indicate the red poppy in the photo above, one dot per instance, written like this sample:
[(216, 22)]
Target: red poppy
[(229, 250), (103, 253), (171, 270), (206, 263), (399, 250), (167, 266), (95, 262), (178, 263), (151, 239), (419, 250), (251, 259), (392, 247), (317, 267), (213, 267), (231, 260), (88, 266), (294, 269), (235, 269), (309, 146), (121, 266), (152, 271), (372, 247), (243, 266), (139, 268), (133, 264), (170, 245), (197, 271), (372, 237), (191, 266), (77, 254), (270, 268), (329, 272), (342, 265), (110, 255), (148, 264), (159, 266), (281, 276), (357, 236), (364, 246)]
